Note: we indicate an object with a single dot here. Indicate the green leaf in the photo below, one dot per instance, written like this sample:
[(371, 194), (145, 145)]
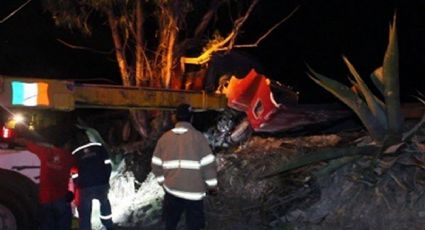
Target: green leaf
[(379, 101), (391, 86), (374, 106), (378, 79), (353, 101)]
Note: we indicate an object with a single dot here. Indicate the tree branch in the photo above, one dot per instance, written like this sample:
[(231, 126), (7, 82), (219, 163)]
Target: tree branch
[(205, 57), (83, 48), (207, 18), (240, 21), (268, 32), (200, 29), (15, 11)]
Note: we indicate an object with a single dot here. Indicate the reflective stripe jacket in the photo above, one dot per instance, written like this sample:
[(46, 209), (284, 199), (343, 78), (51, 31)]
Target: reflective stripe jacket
[(93, 165), (183, 162)]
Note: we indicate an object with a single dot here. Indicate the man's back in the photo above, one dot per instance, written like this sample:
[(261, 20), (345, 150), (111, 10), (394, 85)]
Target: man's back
[(186, 161), (184, 165), (92, 168)]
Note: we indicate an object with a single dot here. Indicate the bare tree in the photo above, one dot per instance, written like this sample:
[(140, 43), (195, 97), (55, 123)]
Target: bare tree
[(151, 38)]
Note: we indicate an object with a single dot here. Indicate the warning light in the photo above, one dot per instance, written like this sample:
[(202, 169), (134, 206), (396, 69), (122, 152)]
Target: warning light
[(14, 120), (7, 133), (18, 118)]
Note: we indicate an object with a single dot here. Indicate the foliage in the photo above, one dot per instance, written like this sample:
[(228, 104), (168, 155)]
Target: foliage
[(382, 119), (148, 35)]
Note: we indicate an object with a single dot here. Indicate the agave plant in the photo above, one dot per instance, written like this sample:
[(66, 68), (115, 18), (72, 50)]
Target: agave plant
[(382, 118)]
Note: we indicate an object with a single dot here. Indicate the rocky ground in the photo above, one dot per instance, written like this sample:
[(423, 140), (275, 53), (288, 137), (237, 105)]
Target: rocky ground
[(361, 191)]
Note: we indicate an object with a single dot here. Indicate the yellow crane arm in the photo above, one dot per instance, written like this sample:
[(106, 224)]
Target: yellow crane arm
[(67, 95)]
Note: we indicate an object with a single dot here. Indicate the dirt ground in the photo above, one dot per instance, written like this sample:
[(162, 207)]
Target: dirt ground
[(364, 192), (361, 192)]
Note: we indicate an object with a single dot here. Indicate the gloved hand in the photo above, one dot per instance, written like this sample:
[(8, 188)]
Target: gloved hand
[(212, 191)]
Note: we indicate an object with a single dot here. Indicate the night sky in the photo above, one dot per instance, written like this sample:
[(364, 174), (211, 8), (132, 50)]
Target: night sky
[(318, 35)]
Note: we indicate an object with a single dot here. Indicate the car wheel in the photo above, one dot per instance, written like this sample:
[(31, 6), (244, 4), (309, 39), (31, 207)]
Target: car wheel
[(13, 213), (7, 218)]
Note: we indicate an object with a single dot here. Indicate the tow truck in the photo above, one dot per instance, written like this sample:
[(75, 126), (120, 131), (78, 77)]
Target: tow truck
[(19, 176)]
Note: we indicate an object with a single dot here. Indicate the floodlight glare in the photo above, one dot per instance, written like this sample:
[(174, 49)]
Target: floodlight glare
[(18, 118)]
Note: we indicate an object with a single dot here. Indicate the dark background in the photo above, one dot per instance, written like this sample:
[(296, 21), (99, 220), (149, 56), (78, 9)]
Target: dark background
[(318, 35)]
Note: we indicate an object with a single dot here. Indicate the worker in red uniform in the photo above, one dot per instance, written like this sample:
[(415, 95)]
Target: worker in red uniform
[(54, 196), (185, 166)]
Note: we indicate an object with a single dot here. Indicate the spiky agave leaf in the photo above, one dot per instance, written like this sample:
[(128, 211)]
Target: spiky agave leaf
[(370, 98), (357, 89), (378, 79), (391, 86), (354, 87), (353, 101)]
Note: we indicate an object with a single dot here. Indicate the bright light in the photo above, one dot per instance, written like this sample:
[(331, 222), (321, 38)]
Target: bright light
[(6, 133), (131, 206), (18, 118)]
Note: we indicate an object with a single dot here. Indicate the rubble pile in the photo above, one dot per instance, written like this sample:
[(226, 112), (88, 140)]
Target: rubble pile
[(248, 201), (368, 192)]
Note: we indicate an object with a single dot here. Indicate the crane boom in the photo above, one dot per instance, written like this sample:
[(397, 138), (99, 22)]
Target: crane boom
[(68, 95)]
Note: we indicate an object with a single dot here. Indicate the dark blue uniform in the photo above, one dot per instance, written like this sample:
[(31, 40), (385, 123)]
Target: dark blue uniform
[(94, 170)]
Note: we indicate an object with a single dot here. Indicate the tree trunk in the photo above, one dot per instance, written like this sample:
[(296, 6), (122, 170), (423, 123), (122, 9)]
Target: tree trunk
[(119, 49), (166, 48), (139, 117), (169, 57), (141, 79)]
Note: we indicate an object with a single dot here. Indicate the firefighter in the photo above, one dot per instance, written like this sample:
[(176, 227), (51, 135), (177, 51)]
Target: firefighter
[(92, 180), (185, 166), (54, 196)]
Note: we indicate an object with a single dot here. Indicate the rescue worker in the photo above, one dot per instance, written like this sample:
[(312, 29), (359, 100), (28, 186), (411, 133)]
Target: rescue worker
[(185, 166), (92, 180), (54, 196)]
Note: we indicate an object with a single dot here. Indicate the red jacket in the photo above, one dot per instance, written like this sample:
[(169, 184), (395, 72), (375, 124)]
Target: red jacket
[(55, 169)]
